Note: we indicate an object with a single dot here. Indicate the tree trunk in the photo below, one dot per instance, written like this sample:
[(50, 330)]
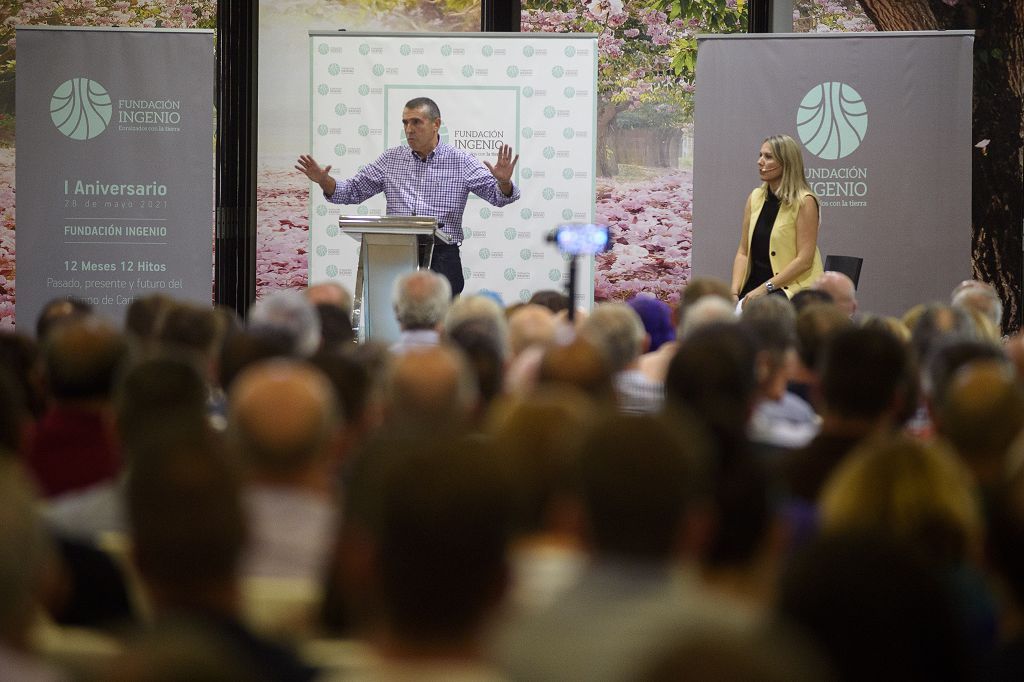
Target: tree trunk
[(997, 205), (607, 160)]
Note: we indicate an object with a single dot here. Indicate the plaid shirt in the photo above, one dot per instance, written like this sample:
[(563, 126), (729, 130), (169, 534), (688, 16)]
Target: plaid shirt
[(437, 187)]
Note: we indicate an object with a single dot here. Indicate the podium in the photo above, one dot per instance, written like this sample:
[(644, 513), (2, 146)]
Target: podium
[(387, 250)]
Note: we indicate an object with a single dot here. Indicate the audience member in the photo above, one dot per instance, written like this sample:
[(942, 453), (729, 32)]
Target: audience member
[(187, 529), (815, 326), (421, 300), (488, 315), (73, 445), (656, 317), (27, 573), (336, 331), (981, 297), (781, 420), (555, 301), (284, 424), (807, 297), (144, 317), (530, 325), (618, 331), (484, 350), (287, 314), (430, 389), (708, 310), (58, 311), (331, 294), (642, 485), (866, 380), (842, 290), (581, 365)]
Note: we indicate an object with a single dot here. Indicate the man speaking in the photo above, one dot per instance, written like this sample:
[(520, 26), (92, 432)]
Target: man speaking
[(427, 178)]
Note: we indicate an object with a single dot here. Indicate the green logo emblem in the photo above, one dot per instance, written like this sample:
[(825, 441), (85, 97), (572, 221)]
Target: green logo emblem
[(487, 50), (340, 149), (423, 70), (321, 210), (322, 89), (527, 173), (548, 193), (570, 51), (555, 275), (569, 92), (528, 51), (526, 214), (340, 109), (364, 49), (525, 254), (549, 152), (321, 129), (510, 233), (549, 111), (485, 253), (558, 72), (466, 274), (364, 90), (528, 91), (568, 133), (485, 212), (528, 132), (512, 71), (332, 230), (524, 295), (446, 50), (332, 271), (467, 70), (364, 130), (363, 210), (510, 274), (832, 120), (405, 50), (80, 108), (322, 48), (568, 173), (334, 69), (378, 70), (566, 214), (321, 250)]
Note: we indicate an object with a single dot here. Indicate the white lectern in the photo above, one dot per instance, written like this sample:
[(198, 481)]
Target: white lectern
[(387, 249)]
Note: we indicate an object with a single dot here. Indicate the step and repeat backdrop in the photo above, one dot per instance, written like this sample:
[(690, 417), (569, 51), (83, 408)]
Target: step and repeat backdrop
[(885, 124), (536, 93)]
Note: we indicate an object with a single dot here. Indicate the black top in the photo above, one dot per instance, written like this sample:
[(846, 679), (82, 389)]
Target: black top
[(760, 263)]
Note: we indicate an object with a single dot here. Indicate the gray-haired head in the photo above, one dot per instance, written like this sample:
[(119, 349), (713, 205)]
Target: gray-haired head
[(421, 299), (705, 311), (287, 313), (981, 297), (618, 330)]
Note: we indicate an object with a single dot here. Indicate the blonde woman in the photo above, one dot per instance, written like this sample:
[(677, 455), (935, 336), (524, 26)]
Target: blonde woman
[(778, 250)]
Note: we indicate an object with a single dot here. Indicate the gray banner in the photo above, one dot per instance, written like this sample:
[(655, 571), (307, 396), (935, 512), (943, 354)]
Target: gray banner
[(885, 123), (115, 167)]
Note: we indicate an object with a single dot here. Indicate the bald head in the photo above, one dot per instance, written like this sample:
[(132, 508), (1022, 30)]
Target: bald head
[(430, 387), (840, 288), (530, 325), (283, 416), (330, 293)]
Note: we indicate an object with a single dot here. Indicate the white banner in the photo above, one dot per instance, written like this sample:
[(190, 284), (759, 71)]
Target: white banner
[(535, 92)]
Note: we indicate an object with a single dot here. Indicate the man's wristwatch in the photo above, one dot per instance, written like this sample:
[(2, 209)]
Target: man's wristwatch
[(769, 286)]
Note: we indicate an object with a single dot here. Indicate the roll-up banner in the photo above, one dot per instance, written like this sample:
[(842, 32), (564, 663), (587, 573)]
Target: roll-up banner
[(534, 92), (115, 166), (884, 120)]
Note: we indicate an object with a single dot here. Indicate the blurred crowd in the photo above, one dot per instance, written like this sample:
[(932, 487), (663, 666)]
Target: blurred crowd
[(782, 490)]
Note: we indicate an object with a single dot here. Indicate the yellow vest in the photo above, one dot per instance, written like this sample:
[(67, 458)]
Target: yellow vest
[(782, 245)]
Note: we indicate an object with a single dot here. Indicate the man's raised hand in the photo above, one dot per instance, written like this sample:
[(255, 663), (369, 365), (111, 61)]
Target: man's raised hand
[(503, 167), (312, 170)]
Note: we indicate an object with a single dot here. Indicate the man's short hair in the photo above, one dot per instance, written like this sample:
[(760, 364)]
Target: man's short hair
[(83, 357), (639, 477), (863, 371), (442, 524), (56, 311), (427, 104), (421, 299), (287, 313)]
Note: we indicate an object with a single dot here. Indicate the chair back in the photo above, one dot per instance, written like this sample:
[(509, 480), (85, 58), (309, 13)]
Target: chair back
[(848, 265)]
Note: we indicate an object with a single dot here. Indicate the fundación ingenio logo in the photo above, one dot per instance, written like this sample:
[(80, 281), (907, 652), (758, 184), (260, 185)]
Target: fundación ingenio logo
[(81, 108), (832, 120)]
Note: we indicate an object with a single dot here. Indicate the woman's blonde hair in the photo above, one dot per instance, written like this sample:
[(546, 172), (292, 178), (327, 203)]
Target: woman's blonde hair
[(794, 184), (912, 491)]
